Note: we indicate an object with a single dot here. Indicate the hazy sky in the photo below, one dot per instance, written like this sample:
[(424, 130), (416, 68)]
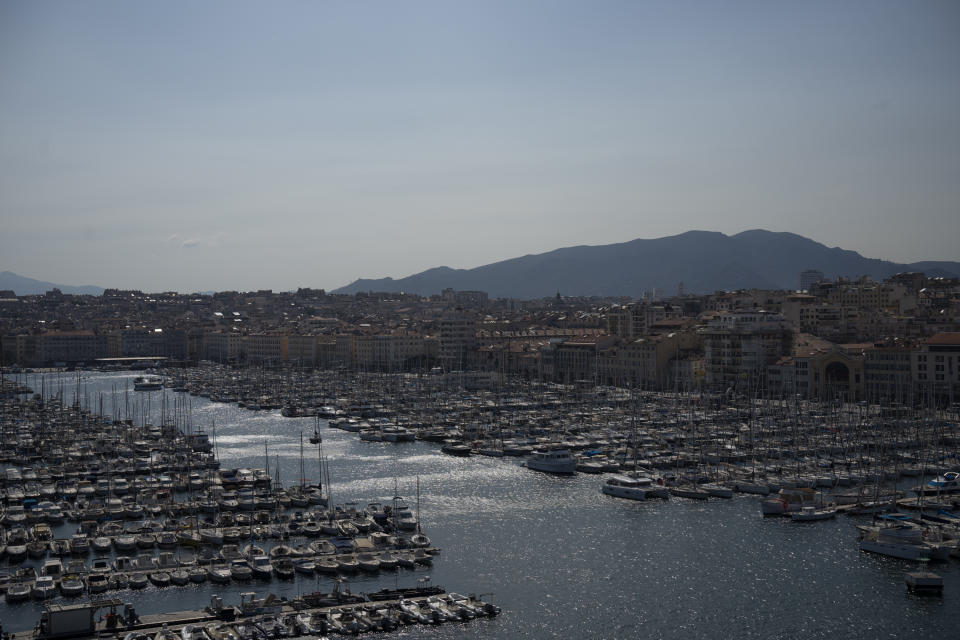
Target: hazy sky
[(234, 145)]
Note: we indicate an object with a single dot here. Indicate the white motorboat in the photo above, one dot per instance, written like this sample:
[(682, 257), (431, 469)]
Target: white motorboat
[(71, 585), (901, 540), (717, 490), (192, 632), (102, 544), (791, 500), (552, 461), (97, 582), (405, 559), (388, 560), (414, 612), (368, 562), (239, 570), (220, 573), (211, 536), (147, 383), (304, 565), (44, 588), (903, 549), (691, 491), (624, 487), (811, 513), (947, 483), (17, 592), (261, 567)]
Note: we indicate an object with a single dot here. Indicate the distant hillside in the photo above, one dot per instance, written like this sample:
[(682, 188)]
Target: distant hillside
[(24, 286), (704, 261)]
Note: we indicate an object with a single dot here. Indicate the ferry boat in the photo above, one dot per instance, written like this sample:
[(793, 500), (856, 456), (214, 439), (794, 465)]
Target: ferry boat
[(147, 383), (553, 461)]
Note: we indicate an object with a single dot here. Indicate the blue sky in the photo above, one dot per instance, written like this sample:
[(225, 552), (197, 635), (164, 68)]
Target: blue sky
[(241, 145)]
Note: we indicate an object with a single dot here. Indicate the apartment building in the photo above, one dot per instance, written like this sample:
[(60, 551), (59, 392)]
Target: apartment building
[(739, 345), (222, 346), (636, 320), (887, 374), (935, 368), (302, 350), (264, 347), (458, 339), (387, 352)]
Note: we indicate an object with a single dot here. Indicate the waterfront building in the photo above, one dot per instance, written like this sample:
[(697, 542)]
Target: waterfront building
[(264, 347), (738, 346), (389, 352), (222, 347), (302, 350), (887, 373), (935, 368), (458, 339), (579, 358), (656, 361), (67, 347), (819, 369)]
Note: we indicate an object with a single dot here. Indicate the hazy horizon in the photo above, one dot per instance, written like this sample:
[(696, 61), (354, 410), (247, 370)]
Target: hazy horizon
[(236, 145)]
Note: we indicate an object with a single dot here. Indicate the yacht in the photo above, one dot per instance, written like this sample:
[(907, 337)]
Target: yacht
[(220, 573), (624, 487), (97, 582), (304, 565), (898, 542), (52, 568), (947, 483), (261, 567), (239, 570), (44, 588), (553, 461), (810, 512), (456, 448), (18, 592), (790, 500), (71, 585), (147, 383), (368, 562), (121, 486)]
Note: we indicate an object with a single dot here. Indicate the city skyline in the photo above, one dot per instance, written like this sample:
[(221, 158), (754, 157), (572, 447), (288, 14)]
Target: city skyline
[(235, 146)]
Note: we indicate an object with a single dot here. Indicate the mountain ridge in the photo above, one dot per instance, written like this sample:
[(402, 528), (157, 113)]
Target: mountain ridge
[(24, 286), (705, 261)]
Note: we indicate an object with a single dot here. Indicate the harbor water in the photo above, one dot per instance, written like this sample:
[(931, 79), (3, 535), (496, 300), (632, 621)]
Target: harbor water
[(560, 558)]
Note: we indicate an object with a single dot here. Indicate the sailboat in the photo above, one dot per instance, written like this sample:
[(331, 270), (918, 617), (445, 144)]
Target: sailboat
[(419, 539)]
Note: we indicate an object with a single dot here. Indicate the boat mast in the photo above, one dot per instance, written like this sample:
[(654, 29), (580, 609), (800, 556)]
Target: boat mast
[(302, 479), (319, 458)]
